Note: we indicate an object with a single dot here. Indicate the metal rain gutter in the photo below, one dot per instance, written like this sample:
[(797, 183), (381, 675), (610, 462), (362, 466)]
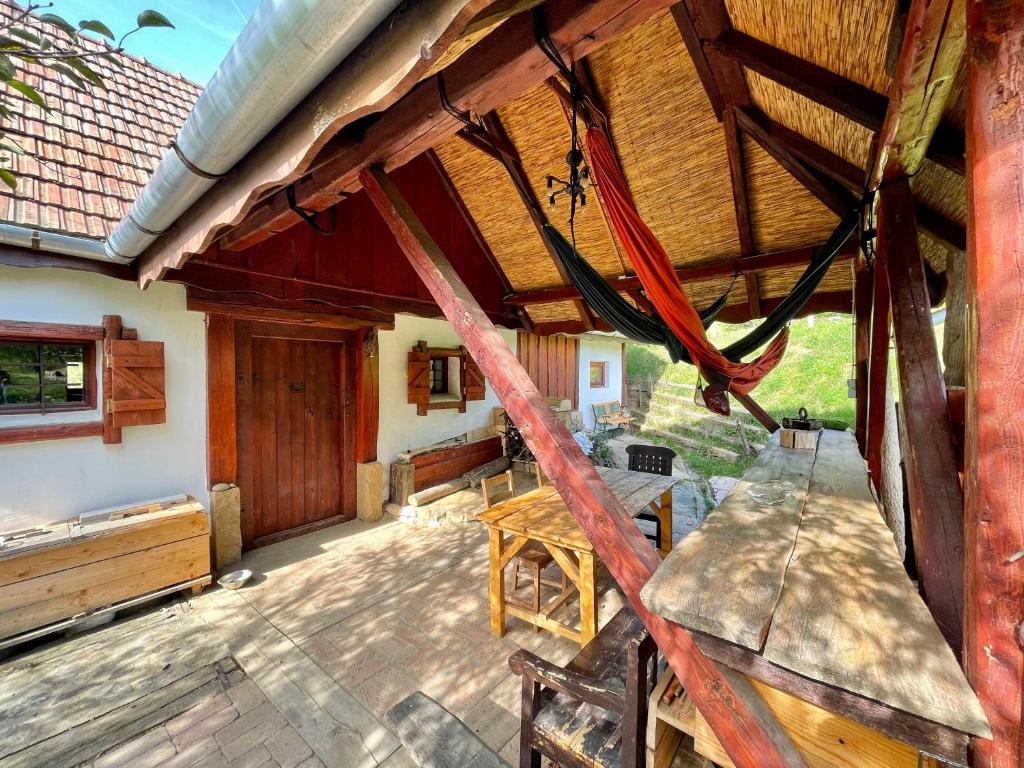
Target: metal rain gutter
[(284, 52), (53, 242)]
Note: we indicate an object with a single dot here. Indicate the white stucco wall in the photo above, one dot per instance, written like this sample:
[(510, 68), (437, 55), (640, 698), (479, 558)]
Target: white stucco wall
[(59, 479), (597, 349), (400, 428)]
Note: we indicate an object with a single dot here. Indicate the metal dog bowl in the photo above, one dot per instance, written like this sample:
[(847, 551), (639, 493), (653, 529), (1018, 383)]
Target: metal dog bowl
[(235, 579)]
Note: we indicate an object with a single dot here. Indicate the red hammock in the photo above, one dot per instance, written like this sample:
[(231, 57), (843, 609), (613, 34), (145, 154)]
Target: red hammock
[(659, 280)]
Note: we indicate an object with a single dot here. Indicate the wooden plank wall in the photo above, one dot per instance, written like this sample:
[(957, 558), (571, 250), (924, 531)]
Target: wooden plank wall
[(553, 364)]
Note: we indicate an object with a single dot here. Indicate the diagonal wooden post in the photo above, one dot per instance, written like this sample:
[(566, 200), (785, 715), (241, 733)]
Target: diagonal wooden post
[(878, 368), (752, 741), (936, 499)]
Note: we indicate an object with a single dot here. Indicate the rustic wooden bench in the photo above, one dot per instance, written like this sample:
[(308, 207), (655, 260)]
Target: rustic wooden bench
[(610, 416), (593, 711)]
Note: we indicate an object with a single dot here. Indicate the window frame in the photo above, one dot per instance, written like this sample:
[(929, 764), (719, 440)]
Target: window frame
[(602, 365), (89, 380)]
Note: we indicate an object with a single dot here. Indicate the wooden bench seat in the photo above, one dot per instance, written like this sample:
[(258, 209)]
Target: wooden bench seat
[(593, 711), (610, 416)]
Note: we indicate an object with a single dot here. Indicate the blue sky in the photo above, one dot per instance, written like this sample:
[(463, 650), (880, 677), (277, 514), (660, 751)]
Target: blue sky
[(205, 29)]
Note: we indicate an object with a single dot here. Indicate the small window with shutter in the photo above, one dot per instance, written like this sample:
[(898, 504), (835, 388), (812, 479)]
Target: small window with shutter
[(442, 378)]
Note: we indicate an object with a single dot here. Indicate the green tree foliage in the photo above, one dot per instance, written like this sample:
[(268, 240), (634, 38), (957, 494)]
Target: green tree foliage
[(62, 53)]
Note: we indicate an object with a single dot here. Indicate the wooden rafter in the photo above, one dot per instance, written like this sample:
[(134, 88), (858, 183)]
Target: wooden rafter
[(748, 740), (509, 157), (496, 70), (467, 217), (796, 257), (850, 99), (756, 125), (933, 45), (845, 97), (723, 79)]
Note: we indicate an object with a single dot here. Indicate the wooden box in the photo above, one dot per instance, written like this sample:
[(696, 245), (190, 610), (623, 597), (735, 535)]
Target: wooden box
[(799, 439), (71, 570)]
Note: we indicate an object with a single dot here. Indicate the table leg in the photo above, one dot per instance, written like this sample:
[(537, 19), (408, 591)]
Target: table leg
[(665, 519), (496, 581), (588, 597)]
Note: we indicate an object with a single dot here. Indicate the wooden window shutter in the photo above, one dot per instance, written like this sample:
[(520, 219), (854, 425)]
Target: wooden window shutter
[(476, 388), (136, 375), (418, 372)]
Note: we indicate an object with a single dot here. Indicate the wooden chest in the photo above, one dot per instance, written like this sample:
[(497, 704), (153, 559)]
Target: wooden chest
[(72, 570)]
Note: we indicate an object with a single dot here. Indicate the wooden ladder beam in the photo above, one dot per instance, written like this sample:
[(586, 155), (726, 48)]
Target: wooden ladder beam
[(994, 483), (878, 368), (936, 499), (600, 515)]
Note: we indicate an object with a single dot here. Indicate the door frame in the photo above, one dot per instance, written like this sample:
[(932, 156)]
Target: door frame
[(358, 404)]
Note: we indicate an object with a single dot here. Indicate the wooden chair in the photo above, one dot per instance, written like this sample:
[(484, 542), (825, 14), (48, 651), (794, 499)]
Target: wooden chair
[(602, 693), (542, 479), (657, 460), (533, 557), (491, 487)]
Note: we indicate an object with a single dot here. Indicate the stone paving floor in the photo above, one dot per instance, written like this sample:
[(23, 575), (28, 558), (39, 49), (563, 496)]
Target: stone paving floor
[(335, 628)]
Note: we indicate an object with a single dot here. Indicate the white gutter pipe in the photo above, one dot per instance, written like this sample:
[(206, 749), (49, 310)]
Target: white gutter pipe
[(52, 242), (285, 50)]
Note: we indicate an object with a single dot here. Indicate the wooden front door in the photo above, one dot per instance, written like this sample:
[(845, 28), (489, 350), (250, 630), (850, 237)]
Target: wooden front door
[(294, 474)]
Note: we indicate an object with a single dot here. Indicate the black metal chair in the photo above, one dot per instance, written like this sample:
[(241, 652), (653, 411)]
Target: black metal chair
[(656, 460)]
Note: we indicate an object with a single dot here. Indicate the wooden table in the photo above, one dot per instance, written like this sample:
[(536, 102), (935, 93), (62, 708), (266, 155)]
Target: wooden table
[(809, 598), (541, 515)]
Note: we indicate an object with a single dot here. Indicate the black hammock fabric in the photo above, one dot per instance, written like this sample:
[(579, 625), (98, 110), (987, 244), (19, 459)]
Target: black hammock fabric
[(617, 312), (651, 329)]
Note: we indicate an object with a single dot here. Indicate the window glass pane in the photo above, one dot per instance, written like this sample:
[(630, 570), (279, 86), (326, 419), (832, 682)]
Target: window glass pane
[(12, 354), (63, 373), (18, 395)]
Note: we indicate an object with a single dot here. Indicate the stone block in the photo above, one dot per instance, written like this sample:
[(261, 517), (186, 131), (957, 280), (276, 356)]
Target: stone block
[(226, 517), (370, 491)]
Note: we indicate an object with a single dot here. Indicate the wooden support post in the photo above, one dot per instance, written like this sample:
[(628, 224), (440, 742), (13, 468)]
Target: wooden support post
[(367, 387), (221, 431), (862, 349), (994, 481), (111, 331), (757, 412), (878, 368), (936, 499), (618, 541)]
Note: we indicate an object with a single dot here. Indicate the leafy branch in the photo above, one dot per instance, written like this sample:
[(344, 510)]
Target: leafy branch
[(63, 53)]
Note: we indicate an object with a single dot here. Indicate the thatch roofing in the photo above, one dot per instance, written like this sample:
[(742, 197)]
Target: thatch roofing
[(673, 151), (651, 82)]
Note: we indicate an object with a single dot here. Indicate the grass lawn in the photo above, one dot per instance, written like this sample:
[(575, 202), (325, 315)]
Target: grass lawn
[(812, 374)]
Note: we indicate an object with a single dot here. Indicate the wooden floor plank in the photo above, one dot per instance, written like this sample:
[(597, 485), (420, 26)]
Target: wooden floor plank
[(725, 578), (849, 616)]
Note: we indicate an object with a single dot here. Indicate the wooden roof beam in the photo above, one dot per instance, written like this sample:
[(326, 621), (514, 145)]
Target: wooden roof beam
[(502, 66), (933, 46), (235, 283), (474, 230), (723, 79), (846, 97), (521, 181), (934, 224), (796, 257), (756, 125)]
